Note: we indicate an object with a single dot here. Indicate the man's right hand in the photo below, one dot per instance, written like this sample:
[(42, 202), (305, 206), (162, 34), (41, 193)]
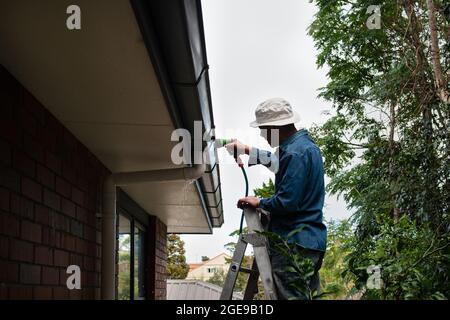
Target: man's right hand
[(236, 148)]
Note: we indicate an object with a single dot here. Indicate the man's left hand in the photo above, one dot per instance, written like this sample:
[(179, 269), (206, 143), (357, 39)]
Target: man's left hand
[(252, 202)]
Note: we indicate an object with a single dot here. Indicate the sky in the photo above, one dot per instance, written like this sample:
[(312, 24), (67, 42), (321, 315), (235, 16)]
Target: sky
[(257, 49)]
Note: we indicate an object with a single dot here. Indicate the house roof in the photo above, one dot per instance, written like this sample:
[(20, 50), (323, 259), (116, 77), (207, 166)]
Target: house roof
[(209, 261)]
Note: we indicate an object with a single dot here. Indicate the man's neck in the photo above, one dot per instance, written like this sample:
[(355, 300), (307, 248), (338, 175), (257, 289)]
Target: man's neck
[(286, 133)]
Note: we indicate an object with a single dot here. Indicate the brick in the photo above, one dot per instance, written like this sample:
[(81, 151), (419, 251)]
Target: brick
[(3, 292), (33, 148), (30, 274), (69, 173), (9, 271), (75, 294), (6, 106), (9, 178), (88, 294), (54, 125), (5, 153), (92, 249), (51, 237), (42, 214), (52, 200), (43, 255), (32, 105), (60, 293), (68, 242), (90, 202), (81, 246), (62, 222), (24, 164), (21, 293), (76, 259), (52, 162), (68, 208), (42, 293), (4, 247), (45, 176), (27, 121), (89, 233), (88, 263), (82, 214), (82, 183), (10, 131), (47, 138), (50, 275), (9, 224), (91, 279), (77, 196), (61, 258), (4, 199), (22, 206), (63, 187), (31, 231), (31, 189), (76, 228), (21, 250)]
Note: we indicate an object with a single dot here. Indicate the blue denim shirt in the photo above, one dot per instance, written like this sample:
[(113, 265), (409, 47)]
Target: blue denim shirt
[(299, 190)]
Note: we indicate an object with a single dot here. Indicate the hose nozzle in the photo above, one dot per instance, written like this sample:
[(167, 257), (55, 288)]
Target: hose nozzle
[(219, 143)]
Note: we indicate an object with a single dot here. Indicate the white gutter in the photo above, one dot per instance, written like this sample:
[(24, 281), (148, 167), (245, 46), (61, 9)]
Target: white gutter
[(108, 276)]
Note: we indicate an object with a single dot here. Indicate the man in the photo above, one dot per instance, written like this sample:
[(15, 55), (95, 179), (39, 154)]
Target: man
[(299, 189)]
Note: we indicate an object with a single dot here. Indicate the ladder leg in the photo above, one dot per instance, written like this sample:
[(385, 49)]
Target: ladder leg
[(265, 269), (261, 254), (252, 283), (233, 272)]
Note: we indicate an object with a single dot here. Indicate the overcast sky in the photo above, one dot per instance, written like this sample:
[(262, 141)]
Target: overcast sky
[(257, 49)]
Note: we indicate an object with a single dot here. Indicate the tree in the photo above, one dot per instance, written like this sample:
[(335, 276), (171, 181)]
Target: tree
[(387, 142), (332, 273), (177, 267), (205, 258)]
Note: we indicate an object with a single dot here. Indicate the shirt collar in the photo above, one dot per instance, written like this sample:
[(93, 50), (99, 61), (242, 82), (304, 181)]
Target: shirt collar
[(289, 140)]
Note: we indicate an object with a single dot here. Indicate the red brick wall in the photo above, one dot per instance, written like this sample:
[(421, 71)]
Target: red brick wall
[(157, 254), (50, 190)]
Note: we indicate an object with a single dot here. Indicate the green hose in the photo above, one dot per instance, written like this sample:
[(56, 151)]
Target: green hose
[(246, 194)]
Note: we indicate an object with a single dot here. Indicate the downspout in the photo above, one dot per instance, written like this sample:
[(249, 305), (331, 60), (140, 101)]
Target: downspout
[(108, 276)]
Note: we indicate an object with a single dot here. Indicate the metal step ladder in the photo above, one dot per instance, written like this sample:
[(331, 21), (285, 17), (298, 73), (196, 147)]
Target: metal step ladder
[(261, 263)]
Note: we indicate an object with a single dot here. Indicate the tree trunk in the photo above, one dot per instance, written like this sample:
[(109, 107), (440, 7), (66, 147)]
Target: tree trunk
[(439, 80)]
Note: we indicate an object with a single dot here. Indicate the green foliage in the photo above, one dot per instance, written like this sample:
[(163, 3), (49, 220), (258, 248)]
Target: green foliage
[(177, 267), (415, 263), (332, 273), (124, 285), (387, 142), (266, 191), (301, 267), (218, 278)]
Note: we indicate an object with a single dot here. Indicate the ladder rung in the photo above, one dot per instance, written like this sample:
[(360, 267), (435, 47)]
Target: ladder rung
[(247, 270)]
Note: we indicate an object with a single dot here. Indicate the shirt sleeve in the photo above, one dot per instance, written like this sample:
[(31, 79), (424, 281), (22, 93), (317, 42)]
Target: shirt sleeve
[(291, 187), (266, 158)]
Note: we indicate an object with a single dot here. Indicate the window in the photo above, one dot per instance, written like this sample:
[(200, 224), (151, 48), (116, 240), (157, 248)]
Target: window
[(131, 263), (212, 270)]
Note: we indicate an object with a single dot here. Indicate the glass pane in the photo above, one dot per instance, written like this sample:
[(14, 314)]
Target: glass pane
[(139, 283), (124, 251)]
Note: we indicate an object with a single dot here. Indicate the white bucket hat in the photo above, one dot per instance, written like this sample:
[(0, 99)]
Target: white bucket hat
[(274, 112)]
